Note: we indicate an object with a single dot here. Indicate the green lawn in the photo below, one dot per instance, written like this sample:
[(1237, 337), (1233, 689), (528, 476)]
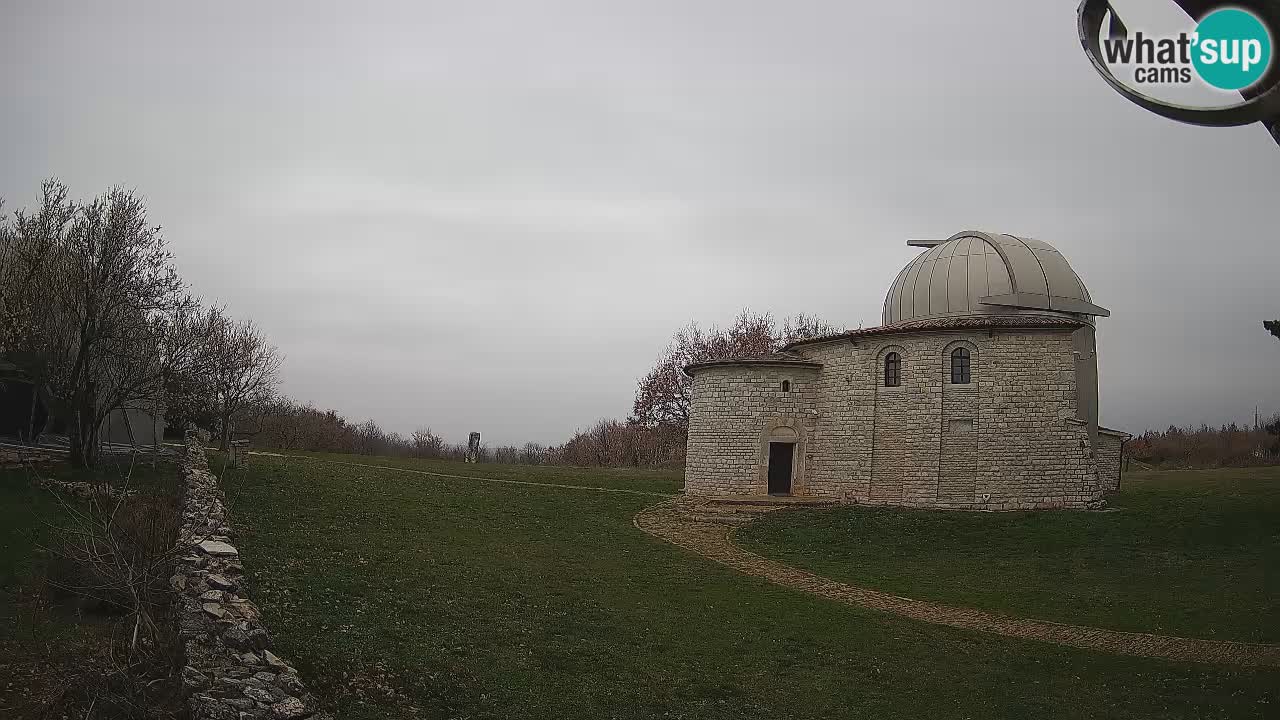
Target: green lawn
[(411, 596), (1193, 553), (657, 481)]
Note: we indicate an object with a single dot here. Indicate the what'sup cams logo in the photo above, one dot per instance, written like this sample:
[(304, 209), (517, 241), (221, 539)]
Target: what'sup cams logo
[(1229, 48)]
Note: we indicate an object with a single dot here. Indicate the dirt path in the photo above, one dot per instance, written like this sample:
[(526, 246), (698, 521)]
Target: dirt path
[(714, 541)]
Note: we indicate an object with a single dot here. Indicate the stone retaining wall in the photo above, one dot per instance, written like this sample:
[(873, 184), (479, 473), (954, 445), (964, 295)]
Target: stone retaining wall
[(231, 672)]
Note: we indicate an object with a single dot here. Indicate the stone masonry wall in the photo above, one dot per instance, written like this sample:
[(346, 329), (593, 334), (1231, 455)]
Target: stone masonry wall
[(733, 410), (1002, 442), (958, 450), (231, 672), (1109, 459)]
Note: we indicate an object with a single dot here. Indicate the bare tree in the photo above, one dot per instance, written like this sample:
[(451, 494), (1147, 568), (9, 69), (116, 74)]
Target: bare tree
[(806, 327), (244, 370), (532, 454), (28, 251), (426, 444), (92, 308), (602, 437)]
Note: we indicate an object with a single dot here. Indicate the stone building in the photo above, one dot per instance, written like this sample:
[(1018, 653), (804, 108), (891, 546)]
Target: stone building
[(978, 392)]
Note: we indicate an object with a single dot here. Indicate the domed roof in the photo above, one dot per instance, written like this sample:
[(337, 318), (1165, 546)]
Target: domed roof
[(980, 273)]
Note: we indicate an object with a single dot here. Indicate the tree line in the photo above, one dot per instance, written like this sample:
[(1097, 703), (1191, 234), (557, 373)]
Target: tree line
[(285, 424), (654, 435), (1230, 445)]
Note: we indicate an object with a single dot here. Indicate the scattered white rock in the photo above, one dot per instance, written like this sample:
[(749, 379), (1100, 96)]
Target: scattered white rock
[(273, 660), (217, 548), (289, 709), (218, 582)]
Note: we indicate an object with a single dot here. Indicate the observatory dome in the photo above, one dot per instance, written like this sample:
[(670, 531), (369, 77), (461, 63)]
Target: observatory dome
[(981, 273)]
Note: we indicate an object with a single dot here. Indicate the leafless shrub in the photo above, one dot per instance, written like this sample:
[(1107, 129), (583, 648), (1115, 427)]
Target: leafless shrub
[(533, 454), (427, 444), (284, 424), (612, 443), (506, 454), (116, 552), (1207, 447)]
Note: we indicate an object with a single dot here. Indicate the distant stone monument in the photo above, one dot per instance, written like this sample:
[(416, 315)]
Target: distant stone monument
[(473, 447)]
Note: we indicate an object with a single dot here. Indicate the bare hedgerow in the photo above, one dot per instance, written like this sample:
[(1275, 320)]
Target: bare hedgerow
[(1230, 445), (115, 551)]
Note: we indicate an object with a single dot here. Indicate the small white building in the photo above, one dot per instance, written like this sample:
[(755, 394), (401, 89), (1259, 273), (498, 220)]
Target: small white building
[(979, 391)]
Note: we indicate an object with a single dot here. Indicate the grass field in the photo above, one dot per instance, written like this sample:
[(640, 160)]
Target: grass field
[(1192, 553), (656, 481), (406, 596)]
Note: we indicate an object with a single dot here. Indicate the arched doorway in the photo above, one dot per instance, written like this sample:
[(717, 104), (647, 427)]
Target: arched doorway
[(782, 453)]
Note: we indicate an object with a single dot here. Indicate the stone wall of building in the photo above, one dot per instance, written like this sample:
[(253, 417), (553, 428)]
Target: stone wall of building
[(734, 410), (1004, 441), (959, 459), (231, 672), (1031, 454)]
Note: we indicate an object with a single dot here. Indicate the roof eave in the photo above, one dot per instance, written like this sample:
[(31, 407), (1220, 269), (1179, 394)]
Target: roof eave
[(996, 322), (691, 368)]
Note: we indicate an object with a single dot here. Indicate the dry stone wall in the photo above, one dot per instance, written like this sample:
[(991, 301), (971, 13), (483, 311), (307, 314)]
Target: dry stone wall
[(1008, 440), (231, 672)]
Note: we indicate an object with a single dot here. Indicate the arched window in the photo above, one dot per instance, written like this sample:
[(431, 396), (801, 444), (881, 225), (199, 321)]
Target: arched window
[(786, 386), (892, 370), (960, 366)]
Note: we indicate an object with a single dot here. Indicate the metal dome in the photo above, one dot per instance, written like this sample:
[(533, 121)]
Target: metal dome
[(980, 273)]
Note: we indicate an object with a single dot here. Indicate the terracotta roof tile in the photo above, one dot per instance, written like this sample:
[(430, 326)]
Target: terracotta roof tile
[(951, 323), (773, 358)]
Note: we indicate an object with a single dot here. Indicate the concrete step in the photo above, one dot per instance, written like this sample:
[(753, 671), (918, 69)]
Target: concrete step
[(728, 508), (769, 500)]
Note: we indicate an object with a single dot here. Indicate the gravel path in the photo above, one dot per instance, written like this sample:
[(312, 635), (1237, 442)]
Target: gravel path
[(714, 541)]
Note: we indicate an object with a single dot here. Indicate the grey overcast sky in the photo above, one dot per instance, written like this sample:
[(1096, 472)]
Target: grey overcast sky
[(491, 216)]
